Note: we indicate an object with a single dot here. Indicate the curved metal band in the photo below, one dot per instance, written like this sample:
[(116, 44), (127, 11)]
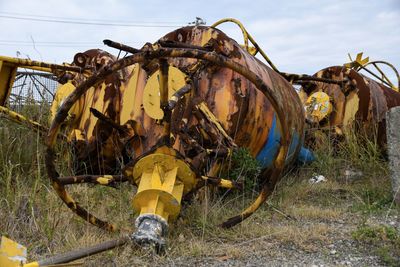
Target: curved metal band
[(272, 94), (247, 37), (242, 28), (390, 66)]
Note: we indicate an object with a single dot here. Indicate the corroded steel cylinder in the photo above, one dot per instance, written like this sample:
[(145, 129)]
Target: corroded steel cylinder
[(168, 119), (358, 101), (243, 111)]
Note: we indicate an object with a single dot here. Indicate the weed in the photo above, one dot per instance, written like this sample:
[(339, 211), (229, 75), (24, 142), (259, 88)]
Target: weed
[(243, 167), (384, 239)]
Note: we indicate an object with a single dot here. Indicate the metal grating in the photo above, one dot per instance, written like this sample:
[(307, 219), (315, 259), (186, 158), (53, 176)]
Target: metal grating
[(32, 88)]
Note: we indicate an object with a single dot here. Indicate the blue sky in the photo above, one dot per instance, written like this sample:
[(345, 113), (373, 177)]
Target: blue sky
[(299, 36)]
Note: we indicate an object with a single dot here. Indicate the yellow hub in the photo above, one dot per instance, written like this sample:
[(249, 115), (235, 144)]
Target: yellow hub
[(318, 106), (162, 180)]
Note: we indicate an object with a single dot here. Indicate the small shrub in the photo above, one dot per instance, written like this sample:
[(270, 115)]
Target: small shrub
[(245, 168)]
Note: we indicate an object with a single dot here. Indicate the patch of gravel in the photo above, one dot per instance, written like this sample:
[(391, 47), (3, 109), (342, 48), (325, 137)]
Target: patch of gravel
[(340, 250), (343, 253)]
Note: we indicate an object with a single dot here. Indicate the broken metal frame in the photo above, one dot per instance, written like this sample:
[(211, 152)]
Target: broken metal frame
[(163, 53), (361, 64), (384, 79), (34, 65)]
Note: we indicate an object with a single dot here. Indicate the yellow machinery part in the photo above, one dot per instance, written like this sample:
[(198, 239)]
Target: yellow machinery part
[(8, 71), (246, 36), (7, 77), (318, 106), (18, 118), (151, 95), (61, 94), (13, 254), (162, 179)]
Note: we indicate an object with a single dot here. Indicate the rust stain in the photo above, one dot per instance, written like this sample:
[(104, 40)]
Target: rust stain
[(374, 100), (240, 98)]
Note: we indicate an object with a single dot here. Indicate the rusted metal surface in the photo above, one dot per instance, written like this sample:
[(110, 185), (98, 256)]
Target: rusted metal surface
[(235, 100), (358, 100), (363, 64), (91, 137), (120, 46)]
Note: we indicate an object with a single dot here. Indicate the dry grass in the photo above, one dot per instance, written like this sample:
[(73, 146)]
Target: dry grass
[(33, 215)]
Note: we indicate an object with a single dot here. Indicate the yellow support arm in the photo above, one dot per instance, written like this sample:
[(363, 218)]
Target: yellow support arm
[(8, 71)]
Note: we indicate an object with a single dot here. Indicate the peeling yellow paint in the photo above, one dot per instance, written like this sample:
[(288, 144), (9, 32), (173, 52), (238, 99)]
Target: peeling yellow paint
[(351, 108), (151, 94), (12, 254)]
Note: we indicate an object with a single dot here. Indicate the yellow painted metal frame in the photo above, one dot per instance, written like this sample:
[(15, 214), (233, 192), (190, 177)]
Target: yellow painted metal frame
[(246, 36), (7, 78), (8, 71), (361, 64), (16, 117), (38, 65)]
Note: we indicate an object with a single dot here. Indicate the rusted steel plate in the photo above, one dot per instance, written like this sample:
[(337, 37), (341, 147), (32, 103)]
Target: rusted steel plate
[(360, 100)]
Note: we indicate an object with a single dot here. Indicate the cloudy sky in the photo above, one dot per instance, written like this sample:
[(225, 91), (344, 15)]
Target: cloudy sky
[(299, 36)]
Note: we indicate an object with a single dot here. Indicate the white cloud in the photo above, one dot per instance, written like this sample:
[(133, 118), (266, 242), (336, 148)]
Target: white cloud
[(299, 36)]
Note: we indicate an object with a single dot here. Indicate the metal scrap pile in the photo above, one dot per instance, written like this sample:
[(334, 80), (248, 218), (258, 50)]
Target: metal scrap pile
[(167, 117)]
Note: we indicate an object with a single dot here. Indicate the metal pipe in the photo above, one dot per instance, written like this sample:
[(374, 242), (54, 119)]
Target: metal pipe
[(304, 77), (164, 97), (172, 44), (108, 180), (14, 116), (38, 65), (46, 75), (120, 46), (84, 252), (178, 95), (224, 183)]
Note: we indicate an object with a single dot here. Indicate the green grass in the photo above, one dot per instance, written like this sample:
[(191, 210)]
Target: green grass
[(384, 239)]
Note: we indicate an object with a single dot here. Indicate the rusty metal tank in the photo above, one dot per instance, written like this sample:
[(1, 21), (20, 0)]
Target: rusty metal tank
[(356, 100), (172, 113)]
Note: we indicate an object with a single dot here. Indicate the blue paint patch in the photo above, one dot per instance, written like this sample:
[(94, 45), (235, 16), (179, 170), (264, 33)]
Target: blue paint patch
[(305, 156), (268, 153)]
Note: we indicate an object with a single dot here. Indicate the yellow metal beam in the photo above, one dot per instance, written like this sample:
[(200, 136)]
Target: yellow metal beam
[(16, 117), (38, 65)]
